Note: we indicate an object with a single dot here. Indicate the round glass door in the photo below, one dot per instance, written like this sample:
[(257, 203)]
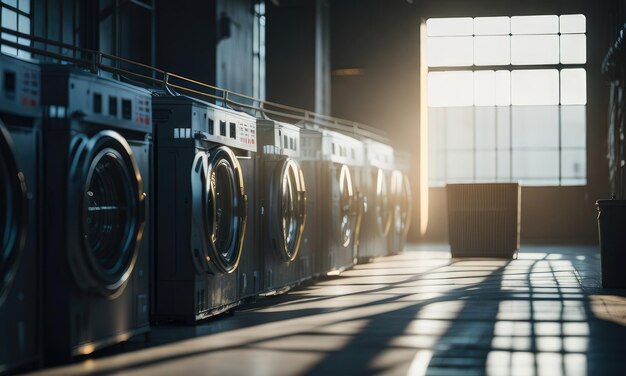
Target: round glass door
[(401, 193), (347, 204), (13, 212), (382, 212), (111, 213), (407, 202), (108, 211), (225, 210), (288, 209)]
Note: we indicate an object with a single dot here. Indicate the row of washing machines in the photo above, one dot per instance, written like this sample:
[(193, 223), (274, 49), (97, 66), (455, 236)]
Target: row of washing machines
[(121, 207)]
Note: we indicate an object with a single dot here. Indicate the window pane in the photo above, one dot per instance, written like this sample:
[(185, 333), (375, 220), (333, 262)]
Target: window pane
[(485, 123), (573, 163), (573, 23), (492, 25), (535, 127), (573, 128), (460, 128), (570, 182), (9, 19), (460, 166), (492, 50), (437, 168), (6, 49), (450, 89), (573, 86), (503, 127), (485, 88), (24, 25), (535, 87), (12, 3), (573, 49), (503, 88), (534, 49), (538, 182), (450, 26), (536, 164), (450, 51), (24, 6), (485, 165), (503, 165), (436, 128), (535, 25)]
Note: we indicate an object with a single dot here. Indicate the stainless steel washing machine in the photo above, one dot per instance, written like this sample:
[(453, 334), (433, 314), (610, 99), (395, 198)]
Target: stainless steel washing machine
[(401, 204), (376, 223), (20, 159), (202, 206), (282, 203), (97, 146), (328, 159)]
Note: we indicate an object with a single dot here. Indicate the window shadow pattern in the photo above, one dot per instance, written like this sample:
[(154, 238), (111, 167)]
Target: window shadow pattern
[(418, 313)]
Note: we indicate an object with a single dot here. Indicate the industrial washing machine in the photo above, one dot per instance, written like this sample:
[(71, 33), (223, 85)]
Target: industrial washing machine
[(401, 204), (328, 159), (201, 206), (97, 146), (20, 158), (282, 202), (376, 223)]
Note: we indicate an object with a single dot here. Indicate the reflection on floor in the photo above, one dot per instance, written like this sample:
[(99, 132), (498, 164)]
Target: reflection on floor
[(416, 313)]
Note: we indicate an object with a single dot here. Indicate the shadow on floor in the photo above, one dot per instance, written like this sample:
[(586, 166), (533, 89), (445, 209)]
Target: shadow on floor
[(543, 313)]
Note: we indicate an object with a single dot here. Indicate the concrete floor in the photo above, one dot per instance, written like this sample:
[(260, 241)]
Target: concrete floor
[(417, 313)]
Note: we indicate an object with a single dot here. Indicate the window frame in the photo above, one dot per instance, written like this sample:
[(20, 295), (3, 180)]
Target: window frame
[(561, 179)]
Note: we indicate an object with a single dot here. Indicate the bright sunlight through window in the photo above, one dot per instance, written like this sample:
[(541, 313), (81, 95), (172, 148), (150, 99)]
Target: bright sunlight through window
[(507, 100), (15, 15)]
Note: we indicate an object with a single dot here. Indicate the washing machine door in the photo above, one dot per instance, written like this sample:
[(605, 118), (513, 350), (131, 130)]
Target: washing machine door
[(347, 208), (13, 212), (381, 202), (106, 212), (402, 197), (287, 209), (223, 213)]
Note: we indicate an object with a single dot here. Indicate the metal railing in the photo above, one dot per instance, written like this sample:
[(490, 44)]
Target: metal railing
[(172, 83)]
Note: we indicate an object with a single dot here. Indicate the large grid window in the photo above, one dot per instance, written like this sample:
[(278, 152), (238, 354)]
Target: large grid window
[(507, 100), (16, 16)]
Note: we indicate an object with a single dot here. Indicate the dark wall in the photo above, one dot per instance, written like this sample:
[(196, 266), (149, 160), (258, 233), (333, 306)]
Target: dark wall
[(290, 56), (186, 38), (191, 41), (382, 37)]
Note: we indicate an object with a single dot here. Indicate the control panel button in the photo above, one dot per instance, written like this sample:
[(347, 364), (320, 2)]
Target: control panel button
[(127, 109), (233, 131), (97, 103), (113, 106)]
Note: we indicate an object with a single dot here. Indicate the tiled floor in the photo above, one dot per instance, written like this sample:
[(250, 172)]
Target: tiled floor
[(416, 313)]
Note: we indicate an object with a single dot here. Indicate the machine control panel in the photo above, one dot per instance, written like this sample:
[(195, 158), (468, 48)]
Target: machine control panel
[(277, 137), (379, 155), (206, 122), (96, 99), (317, 143), (237, 129), (402, 161), (20, 85)]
